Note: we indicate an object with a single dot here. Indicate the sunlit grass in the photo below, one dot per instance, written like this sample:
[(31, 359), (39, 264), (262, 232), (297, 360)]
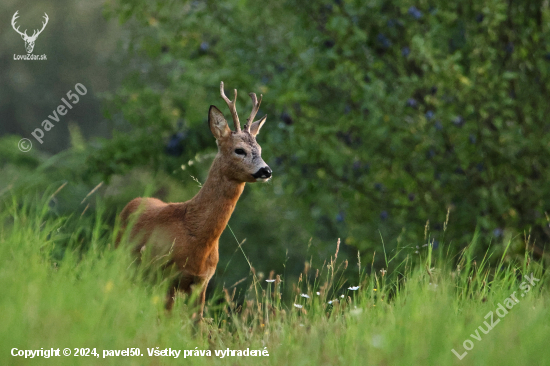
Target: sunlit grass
[(62, 285)]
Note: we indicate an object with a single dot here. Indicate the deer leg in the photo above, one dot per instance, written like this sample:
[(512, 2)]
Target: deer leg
[(200, 284), (180, 283), (170, 298), (202, 299)]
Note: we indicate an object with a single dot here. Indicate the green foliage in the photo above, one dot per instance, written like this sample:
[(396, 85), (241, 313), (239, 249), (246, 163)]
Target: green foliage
[(382, 114), (81, 48)]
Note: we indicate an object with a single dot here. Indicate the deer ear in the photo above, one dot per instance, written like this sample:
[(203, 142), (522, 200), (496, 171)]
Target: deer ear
[(218, 124), (255, 127)]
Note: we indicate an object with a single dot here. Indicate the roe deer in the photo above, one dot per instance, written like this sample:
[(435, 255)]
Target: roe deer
[(188, 232)]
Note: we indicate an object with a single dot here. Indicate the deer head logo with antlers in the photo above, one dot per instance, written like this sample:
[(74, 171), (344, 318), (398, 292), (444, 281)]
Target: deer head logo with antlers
[(29, 41)]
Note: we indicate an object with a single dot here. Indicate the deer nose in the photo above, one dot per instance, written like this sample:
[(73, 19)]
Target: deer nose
[(263, 173)]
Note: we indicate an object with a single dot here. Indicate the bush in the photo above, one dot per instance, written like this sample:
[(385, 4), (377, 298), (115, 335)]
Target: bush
[(383, 115)]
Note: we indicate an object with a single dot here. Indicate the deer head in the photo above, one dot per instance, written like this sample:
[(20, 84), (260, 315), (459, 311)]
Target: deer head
[(29, 41), (240, 154)]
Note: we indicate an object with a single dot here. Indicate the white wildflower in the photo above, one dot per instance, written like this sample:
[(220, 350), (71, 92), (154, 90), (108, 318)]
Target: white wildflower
[(377, 341)]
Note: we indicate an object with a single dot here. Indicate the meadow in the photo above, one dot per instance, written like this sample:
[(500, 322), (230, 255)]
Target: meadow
[(64, 286), (383, 116)]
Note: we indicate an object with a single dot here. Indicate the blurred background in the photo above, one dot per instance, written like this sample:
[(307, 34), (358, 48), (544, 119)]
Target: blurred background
[(399, 122)]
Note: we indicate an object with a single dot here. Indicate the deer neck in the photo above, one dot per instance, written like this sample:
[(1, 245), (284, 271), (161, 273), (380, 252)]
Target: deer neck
[(213, 205)]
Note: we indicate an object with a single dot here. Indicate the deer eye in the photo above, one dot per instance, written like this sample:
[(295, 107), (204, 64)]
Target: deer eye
[(240, 152)]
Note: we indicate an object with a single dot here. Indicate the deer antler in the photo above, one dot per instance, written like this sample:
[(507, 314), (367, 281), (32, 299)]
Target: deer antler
[(255, 108), (35, 35), (232, 107), (15, 16)]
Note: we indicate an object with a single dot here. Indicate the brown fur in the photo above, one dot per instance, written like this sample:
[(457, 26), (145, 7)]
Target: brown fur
[(189, 231)]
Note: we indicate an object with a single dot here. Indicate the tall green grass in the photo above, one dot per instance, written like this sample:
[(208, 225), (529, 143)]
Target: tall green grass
[(62, 285)]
